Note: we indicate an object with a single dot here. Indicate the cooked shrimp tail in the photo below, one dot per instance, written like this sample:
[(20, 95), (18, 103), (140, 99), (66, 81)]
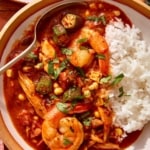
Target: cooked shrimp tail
[(83, 57), (29, 89), (60, 132)]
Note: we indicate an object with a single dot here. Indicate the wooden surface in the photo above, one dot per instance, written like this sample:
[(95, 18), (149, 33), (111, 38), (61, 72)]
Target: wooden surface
[(7, 9)]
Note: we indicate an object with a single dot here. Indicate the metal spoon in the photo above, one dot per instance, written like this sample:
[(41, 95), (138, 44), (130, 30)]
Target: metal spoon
[(37, 28)]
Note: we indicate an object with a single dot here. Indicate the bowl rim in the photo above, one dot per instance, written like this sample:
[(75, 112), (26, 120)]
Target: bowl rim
[(14, 22)]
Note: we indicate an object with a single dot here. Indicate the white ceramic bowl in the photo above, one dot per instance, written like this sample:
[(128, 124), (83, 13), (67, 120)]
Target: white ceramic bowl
[(14, 30)]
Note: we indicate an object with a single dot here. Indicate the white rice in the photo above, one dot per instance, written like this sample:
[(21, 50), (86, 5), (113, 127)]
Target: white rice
[(129, 55)]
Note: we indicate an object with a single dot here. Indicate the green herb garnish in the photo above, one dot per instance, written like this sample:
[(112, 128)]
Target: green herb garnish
[(63, 107), (87, 121), (55, 72), (31, 56), (93, 18), (83, 40), (103, 20), (105, 80), (121, 90), (97, 19), (67, 51), (66, 141), (117, 79), (101, 56)]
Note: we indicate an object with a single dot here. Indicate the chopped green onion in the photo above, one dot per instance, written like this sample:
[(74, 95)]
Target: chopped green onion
[(121, 92), (103, 20), (83, 40), (93, 18), (31, 56), (63, 107), (55, 72), (117, 79), (97, 19), (87, 121), (101, 56), (105, 79), (67, 51)]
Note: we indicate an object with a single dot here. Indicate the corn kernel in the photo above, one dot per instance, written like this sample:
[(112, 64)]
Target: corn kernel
[(21, 97), (93, 86), (118, 131), (27, 68), (87, 13), (35, 117), (93, 6), (116, 13), (96, 114), (87, 93), (95, 75), (58, 91), (9, 73), (55, 85)]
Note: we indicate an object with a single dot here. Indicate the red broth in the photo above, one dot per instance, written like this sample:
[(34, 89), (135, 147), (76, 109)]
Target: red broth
[(22, 113)]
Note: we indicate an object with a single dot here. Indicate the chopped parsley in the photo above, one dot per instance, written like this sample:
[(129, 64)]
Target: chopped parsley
[(55, 72)]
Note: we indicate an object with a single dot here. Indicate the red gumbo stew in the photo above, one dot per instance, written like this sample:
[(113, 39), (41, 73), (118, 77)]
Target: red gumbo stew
[(57, 95)]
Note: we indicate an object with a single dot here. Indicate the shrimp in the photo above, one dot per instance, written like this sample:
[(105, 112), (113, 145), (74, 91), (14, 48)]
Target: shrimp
[(29, 89), (83, 57), (58, 131)]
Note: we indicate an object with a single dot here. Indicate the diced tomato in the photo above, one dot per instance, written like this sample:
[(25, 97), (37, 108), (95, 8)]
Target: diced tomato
[(80, 108)]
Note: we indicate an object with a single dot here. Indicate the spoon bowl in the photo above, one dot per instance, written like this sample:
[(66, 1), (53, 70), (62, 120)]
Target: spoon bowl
[(37, 28)]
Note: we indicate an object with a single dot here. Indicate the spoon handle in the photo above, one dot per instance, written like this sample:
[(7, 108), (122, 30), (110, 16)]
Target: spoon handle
[(16, 59), (22, 1)]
